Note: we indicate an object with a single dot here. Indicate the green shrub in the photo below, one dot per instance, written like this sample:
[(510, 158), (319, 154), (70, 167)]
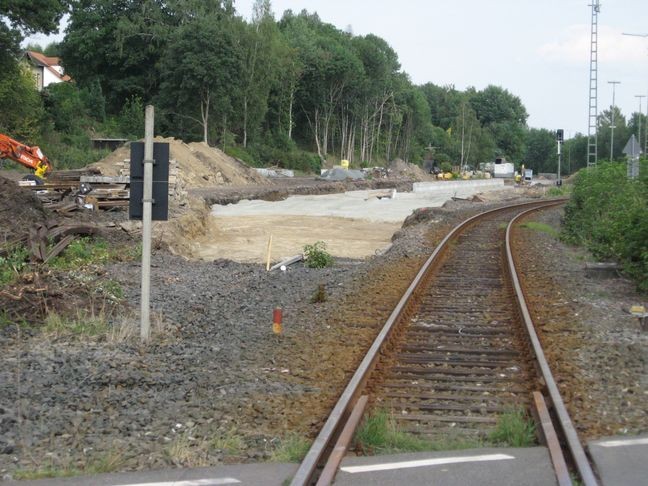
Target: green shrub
[(607, 214), (242, 154), (316, 255)]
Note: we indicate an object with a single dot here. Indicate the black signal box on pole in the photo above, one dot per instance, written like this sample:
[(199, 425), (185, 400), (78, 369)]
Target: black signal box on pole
[(160, 207), (560, 134)]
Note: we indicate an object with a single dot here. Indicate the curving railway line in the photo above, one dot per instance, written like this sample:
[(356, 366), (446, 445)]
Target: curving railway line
[(458, 350)]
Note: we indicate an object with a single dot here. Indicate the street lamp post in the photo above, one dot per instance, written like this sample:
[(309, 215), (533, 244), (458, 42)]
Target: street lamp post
[(612, 127), (639, 120), (646, 128)]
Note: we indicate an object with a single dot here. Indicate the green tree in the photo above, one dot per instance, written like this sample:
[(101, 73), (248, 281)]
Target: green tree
[(262, 49), (131, 118), (65, 107), (18, 89), (621, 134), (201, 73), (19, 18), (504, 115), (540, 151)]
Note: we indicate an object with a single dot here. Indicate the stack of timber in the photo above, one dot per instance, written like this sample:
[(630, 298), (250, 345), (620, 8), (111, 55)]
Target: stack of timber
[(177, 190), (70, 190)]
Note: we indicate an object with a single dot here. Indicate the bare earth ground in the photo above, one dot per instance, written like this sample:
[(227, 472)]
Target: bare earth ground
[(217, 386), (245, 238)]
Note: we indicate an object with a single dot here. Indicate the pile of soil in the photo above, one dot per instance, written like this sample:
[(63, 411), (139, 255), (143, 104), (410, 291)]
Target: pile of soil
[(199, 165), (401, 169), (19, 209)]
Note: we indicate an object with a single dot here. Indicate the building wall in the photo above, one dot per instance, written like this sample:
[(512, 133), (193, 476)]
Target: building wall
[(49, 78)]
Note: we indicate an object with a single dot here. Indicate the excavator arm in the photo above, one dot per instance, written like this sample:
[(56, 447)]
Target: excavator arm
[(30, 157)]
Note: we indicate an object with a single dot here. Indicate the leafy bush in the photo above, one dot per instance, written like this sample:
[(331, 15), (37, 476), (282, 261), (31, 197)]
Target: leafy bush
[(446, 166), (316, 255), (607, 214), (242, 154)]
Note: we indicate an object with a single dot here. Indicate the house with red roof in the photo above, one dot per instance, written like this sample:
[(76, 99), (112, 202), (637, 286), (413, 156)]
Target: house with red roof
[(47, 70)]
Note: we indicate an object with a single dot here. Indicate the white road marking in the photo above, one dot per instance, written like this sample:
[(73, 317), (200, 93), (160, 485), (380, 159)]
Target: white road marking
[(189, 482), (623, 442), (425, 462)]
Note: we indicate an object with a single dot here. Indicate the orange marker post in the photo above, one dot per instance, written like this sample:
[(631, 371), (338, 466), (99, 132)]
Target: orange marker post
[(277, 316)]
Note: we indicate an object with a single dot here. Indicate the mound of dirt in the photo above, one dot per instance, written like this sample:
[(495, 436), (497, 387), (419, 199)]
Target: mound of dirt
[(198, 165), (19, 209), (400, 168)]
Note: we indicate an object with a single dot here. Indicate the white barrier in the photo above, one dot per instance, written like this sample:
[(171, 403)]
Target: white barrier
[(450, 185)]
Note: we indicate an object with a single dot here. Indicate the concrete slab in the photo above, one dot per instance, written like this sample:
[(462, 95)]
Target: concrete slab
[(484, 467), (239, 475), (362, 205), (621, 460)]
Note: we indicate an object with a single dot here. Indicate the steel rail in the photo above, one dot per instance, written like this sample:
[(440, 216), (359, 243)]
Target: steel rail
[(578, 454), (324, 440)]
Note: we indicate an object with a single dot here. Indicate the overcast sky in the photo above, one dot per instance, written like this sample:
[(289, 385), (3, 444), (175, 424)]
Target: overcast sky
[(538, 50)]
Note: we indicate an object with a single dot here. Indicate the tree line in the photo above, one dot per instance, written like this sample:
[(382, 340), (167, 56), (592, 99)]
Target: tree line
[(293, 91)]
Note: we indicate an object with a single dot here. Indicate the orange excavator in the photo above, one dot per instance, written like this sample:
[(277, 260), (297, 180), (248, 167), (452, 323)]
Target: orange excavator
[(31, 157)]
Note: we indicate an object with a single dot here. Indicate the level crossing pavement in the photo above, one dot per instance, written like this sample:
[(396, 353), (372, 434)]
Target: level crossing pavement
[(621, 460), (617, 461)]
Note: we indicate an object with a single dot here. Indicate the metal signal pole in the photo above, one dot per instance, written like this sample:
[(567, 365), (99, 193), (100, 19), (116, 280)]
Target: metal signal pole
[(639, 119), (612, 127), (592, 129)]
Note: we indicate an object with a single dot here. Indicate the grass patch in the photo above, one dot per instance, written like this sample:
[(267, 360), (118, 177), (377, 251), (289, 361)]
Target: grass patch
[(541, 227), (12, 264), (562, 191), (81, 325), (187, 451), (514, 429), (229, 443), (291, 449), (111, 461), (111, 289), (379, 434), (88, 251), (47, 472)]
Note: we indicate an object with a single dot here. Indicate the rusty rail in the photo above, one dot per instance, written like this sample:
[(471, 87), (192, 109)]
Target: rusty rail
[(578, 454)]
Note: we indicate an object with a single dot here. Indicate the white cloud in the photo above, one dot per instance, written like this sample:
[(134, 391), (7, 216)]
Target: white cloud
[(613, 47)]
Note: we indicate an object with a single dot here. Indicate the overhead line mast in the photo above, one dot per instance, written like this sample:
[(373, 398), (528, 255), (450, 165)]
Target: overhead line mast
[(592, 130)]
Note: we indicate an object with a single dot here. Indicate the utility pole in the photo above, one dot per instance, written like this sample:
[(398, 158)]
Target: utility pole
[(639, 120), (145, 327), (612, 127), (592, 127), (646, 128), (560, 136)]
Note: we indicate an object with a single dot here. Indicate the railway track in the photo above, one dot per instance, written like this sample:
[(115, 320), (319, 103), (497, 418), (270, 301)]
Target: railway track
[(458, 351), (460, 360)]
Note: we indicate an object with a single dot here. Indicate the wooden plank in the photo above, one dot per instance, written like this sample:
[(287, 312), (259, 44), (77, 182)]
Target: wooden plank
[(446, 418), (287, 262), (59, 247), (550, 439)]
